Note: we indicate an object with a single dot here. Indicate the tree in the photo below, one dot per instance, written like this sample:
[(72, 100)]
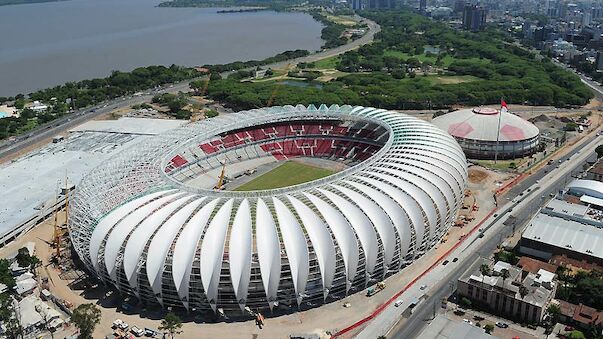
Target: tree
[(9, 317), (465, 302), (484, 269), (571, 126), (575, 334), (523, 291), (6, 277), (85, 317), (24, 259), (554, 311), (489, 328), (171, 324), (211, 113), (504, 273), (599, 151), (20, 103)]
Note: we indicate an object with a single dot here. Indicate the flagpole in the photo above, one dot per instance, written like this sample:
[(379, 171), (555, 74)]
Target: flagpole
[(498, 133)]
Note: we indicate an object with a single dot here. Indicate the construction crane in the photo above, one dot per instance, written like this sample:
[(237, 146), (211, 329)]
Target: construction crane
[(221, 177), (198, 116), (206, 85), (274, 93), (58, 232), (56, 229)]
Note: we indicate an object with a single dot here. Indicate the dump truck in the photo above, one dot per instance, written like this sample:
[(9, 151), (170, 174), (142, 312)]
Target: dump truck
[(371, 291)]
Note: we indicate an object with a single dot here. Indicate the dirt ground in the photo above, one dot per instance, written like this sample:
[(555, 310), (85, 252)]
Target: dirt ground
[(478, 175)]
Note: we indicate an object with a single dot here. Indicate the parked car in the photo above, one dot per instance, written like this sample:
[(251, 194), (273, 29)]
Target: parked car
[(423, 287), (398, 303), (117, 323), (455, 259), (445, 262), (501, 324), (137, 331), (150, 332)]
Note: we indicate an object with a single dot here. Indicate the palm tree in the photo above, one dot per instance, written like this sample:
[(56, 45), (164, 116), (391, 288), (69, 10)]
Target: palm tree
[(523, 291), (504, 273), (484, 269)]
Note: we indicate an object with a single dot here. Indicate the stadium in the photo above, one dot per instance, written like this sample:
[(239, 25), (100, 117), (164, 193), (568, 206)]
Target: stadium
[(482, 135), (205, 219)]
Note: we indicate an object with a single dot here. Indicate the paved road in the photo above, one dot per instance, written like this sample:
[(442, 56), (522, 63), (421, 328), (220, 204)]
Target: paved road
[(67, 122), (522, 207)]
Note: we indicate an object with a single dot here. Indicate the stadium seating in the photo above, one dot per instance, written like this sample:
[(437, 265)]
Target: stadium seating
[(325, 139)]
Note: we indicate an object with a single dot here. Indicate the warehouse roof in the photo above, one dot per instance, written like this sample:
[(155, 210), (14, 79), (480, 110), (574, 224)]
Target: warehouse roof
[(564, 233)]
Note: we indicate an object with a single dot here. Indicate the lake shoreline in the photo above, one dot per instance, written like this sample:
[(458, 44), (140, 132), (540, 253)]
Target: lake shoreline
[(47, 54)]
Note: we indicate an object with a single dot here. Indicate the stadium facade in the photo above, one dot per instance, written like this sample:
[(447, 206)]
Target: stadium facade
[(143, 224), (477, 131)]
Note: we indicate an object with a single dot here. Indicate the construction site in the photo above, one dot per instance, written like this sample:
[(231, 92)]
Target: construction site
[(42, 181)]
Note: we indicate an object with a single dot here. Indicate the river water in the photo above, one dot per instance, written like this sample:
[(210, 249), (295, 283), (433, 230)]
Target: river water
[(47, 44)]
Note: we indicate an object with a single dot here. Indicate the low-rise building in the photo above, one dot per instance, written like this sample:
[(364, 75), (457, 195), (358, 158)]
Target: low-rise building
[(508, 290), (39, 107), (595, 172), (563, 228), (579, 315)]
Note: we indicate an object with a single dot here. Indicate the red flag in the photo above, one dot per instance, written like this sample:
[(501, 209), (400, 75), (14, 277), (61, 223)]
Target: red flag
[(503, 104)]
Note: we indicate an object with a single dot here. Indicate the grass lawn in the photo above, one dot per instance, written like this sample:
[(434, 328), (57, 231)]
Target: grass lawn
[(503, 165), (452, 79), (341, 19), (448, 59), (287, 174), (328, 63)]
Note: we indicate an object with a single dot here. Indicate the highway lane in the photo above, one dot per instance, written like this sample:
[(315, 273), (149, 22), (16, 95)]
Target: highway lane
[(526, 199), (69, 121), (533, 196)]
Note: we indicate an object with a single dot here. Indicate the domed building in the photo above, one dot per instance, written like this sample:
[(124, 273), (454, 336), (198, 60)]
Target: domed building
[(153, 223), (477, 130)]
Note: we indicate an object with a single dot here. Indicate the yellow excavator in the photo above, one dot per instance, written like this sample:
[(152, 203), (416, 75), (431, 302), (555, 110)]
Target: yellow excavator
[(220, 184)]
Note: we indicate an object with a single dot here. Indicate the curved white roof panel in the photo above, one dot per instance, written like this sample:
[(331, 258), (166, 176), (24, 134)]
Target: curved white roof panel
[(212, 251), (162, 241), (240, 252), (269, 253), (184, 251), (140, 237), (344, 235), (400, 186)]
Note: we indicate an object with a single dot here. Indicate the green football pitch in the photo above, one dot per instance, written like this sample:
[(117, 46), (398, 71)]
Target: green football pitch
[(287, 174)]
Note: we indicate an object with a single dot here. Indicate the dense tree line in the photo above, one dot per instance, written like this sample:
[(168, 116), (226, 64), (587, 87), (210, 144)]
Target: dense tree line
[(89, 92), (85, 93), (581, 287), (238, 65), (174, 103), (331, 32), (384, 74)]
